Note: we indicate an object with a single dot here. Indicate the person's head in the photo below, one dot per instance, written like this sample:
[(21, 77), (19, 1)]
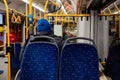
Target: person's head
[(44, 26)]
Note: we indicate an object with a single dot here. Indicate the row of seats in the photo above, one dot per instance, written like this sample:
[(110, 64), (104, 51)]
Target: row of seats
[(41, 61)]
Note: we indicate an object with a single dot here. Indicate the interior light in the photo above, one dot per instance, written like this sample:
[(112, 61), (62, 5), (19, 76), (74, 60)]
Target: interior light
[(115, 12), (34, 5), (41, 9)]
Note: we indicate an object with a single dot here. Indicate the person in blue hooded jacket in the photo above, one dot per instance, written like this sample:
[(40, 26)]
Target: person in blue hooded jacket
[(43, 29)]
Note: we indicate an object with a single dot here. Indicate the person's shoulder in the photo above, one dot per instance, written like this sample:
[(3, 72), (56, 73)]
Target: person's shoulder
[(57, 36)]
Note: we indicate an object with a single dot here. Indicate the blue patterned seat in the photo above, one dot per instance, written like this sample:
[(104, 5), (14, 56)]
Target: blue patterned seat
[(40, 62), (79, 61)]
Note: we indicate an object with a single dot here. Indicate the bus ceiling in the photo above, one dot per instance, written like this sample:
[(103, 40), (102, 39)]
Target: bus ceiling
[(100, 4)]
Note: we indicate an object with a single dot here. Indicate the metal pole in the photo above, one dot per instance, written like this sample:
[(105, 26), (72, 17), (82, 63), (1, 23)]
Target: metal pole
[(34, 13), (104, 12), (40, 15), (56, 18), (34, 21), (26, 21), (45, 8), (30, 7), (119, 26), (16, 11), (54, 3), (31, 30), (117, 8), (109, 11), (119, 17), (68, 15), (8, 34)]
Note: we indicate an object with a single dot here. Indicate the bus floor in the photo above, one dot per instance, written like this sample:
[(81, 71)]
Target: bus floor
[(3, 66), (102, 76)]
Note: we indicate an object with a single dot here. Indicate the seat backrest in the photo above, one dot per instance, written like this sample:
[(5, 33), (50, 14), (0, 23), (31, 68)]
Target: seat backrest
[(79, 61), (40, 61)]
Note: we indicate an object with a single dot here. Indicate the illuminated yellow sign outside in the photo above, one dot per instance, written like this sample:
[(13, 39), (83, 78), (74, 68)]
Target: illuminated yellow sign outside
[(1, 29)]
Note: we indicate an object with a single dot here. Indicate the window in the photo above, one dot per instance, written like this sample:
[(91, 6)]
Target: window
[(1, 19)]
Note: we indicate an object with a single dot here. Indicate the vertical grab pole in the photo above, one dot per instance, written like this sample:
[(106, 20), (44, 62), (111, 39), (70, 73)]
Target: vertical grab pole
[(56, 18), (119, 26), (8, 33), (34, 13), (30, 7), (40, 15), (34, 21), (45, 9), (30, 16), (119, 16), (26, 21)]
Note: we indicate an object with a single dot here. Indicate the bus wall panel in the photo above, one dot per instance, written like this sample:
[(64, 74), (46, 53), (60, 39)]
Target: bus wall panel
[(84, 27), (102, 37)]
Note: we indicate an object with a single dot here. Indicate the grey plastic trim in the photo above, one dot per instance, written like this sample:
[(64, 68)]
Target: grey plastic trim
[(82, 38), (40, 37), (17, 75)]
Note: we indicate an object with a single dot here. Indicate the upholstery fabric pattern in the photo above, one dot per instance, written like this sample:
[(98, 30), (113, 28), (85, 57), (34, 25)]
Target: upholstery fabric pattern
[(79, 62), (40, 62)]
